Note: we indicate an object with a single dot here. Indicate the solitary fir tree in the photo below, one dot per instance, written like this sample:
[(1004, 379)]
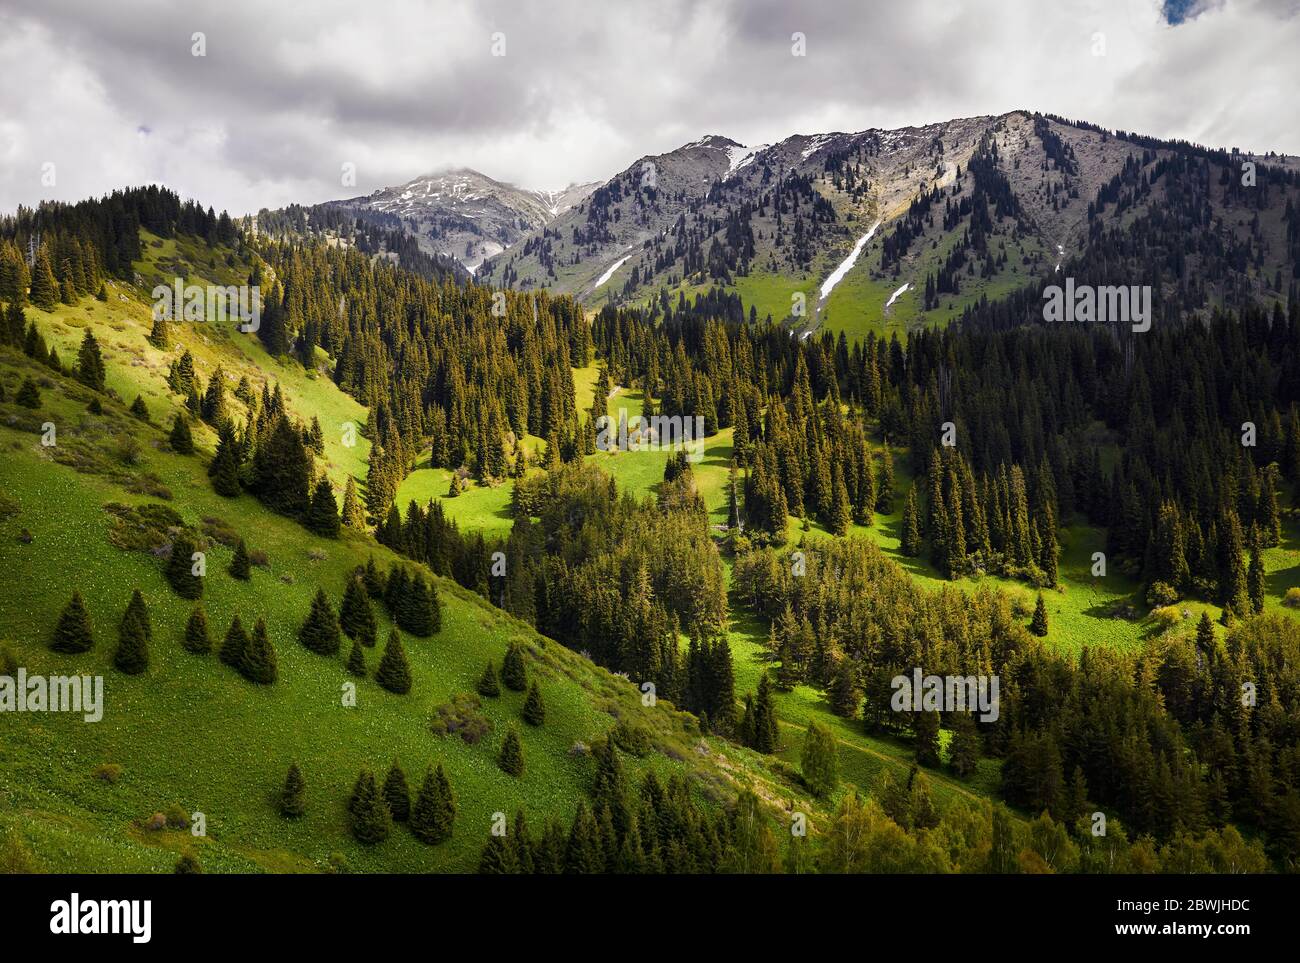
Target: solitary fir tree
[(259, 664), (73, 634), (29, 396), (514, 675), (356, 615), (397, 794), (90, 363), (394, 674), (181, 440), (159, 335), (293, 797), (369, 817), (224, 470), (320, 631), (241, 566), (139, 409), (323, 515), (235, 645), (434, 811), (357, 660), (132, 656), (534, 712), (819, 761), (487, 683), (196, 632), (511, 759), (180, 567), (1038, 625), (911, 533), (766, 738), (354, 513)]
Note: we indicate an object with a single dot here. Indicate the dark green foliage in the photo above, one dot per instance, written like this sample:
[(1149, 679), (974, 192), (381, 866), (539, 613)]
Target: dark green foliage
[(514, 674), (282, 470), (356, 614), (132, 656), (224, 470), (234, 647), (434, 811), (397, 795), (357, 660), (488, 687), (964, 749), (323, 514), (534, 712), (511, 759), (187, 865), (182, 441), (73, 633), (139, 409), (259, 663), (368, 815), (911, 527), (196, 632), (1038, 624), (419, 610), (29, 396), (293, 797), (180, 567), (766, 732), (819, 760), (90, 363), (320, 631), (241, 566), (394, 674), (927, 738), (497, 857)]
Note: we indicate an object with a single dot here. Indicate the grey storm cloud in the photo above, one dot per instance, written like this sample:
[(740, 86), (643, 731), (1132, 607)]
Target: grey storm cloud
[(105, 95)]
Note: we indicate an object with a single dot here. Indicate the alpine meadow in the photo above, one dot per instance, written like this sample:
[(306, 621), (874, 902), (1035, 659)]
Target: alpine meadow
[(921, 497)]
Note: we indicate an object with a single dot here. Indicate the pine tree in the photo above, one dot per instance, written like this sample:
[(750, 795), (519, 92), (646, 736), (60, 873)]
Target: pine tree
[(320, 632), (397, 794), (534, 712), (511, 759), (180, 567), (885, 487), (132, 656), (196, 632), (224, 470), (766, 733), (241, 565), (926, 745), (819, 760), (90, 363), (323, 515), (369, 817), (259, 664), (420, 611), (45, 290), (28, 395), (1255, 580), (434, 812), (354, 513), (182, 441), (487, 683), (514, 675), (73, 633), (293, 802), (356, 615), (357, 661), (139, 409), (234, 647), (964, 749), (496, 857), (394, 674), (160, 334), (911, 526), (845, 699), (1038, 625)]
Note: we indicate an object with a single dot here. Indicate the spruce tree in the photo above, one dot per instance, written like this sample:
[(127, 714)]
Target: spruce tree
[(196, 632), (224, 470), (356, 615), (241, 566), (369, 818), (496, 857), (180, 567), (1038, 625), (964, 749), (434, 812), (534, 712), (511, 759), (1255, 580), (132, 656), (139, 409), (159, 334), (323, 515), (320, 632), (514, 675), (766, 737), (397, 795), (885, 480), (420, 611), (73, 634), (28, 395), (819, 760), (394, 674), (234, 647), (259, 664), (90, 363), (926, 745), (181, 440), (487, 683), (357, 660), (911, 527), (293, 801), (354, 513)]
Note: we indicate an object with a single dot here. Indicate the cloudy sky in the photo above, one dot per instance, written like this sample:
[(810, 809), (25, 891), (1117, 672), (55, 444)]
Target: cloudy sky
[(548, 93)]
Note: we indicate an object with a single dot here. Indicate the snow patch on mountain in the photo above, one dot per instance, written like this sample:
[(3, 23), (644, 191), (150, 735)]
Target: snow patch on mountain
[(610, 272), (846, 265)]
